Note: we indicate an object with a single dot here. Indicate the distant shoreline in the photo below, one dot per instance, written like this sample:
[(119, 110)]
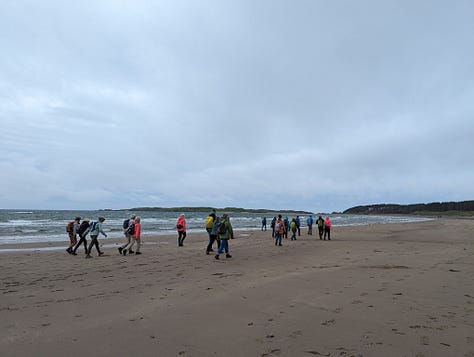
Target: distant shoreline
[(205, 209)]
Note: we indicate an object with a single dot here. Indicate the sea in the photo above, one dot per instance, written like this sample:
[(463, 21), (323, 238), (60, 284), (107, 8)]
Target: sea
[(36, 226)]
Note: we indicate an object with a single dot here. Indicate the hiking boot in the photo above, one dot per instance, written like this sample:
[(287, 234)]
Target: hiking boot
[(124, 252), (120, 250), (279, 244), (101, 253), (73, 253), (216, 256), (88, 256), (207, 252), (228, 256), (130, 251), (69, 250), (138, 253)]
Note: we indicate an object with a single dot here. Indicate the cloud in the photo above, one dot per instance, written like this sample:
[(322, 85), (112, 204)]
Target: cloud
[(270, 104)]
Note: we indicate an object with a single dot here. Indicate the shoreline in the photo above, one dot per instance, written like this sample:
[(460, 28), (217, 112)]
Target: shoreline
[(378, 290)]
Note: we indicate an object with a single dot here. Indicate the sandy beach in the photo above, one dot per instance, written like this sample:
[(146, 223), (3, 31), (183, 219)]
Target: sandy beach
[(381, 290)]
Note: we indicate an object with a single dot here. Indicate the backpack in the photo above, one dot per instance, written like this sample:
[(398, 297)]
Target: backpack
[(126, 223), (221, 228), (209, 222), (277, 227), (83, 227), (92, 225), (131, 229), (70, 227)]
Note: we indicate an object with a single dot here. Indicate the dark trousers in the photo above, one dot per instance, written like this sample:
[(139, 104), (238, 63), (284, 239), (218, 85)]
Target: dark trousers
[(181, 237), (321, 230), (94, 242), (81, 240), (212, 238), (327, 231)]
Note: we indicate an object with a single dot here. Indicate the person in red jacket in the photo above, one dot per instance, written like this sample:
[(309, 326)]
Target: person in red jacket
[(135, 237), (181, 228), (327, 228)]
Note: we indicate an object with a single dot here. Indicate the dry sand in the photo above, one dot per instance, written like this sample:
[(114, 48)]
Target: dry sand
[(382, 290)]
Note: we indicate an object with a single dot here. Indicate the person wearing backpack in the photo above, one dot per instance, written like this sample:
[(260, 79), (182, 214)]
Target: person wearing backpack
[(320, 224), (135, 235), (84, 228), (280, 230), (298, 225), (213, 236), (181, 228), (309, 222), (95, 230), (126, 232), (71, 229), (210, 221), (225, 232)]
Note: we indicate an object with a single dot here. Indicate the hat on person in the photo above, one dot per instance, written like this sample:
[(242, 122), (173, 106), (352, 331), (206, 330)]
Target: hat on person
[(86, 220), (77, 218)]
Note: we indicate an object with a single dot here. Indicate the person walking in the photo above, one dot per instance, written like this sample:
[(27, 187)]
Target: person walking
[(225, 232), (279, 230), (127, 227), (96, 229), (213, 236), (298, 225), (309, 222), (82, 232), (320, 224), (293, 229), (181, 228), (272, 225), (264, 223), (327, 228), (71, 229), (135, 236), (210, 221), (286, 221)]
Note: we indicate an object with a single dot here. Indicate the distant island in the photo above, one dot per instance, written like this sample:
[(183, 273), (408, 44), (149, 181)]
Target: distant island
[(463, 208), (208, 209)]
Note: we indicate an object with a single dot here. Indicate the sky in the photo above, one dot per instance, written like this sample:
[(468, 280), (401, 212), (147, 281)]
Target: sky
[(307, 105)]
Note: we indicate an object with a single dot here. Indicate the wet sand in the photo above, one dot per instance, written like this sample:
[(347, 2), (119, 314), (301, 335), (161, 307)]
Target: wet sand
[(382, 290)]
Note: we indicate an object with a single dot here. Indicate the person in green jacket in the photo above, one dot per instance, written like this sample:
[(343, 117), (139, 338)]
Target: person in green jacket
[(320, 223), (225, 232)]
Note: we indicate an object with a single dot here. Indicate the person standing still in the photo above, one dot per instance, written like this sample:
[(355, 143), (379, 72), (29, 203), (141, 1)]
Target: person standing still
[(181, 228), (264, 223), (327, 228)]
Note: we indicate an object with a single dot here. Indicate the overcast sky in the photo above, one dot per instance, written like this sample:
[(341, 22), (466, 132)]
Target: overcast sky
[(307, 104)]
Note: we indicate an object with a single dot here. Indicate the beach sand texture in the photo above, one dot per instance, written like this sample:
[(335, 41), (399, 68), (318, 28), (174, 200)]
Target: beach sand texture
[(382, 290)]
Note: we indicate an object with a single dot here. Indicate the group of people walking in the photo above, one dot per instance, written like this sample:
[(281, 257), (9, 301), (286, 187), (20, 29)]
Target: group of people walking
[(219, 230), (281, 227), (82, 229)]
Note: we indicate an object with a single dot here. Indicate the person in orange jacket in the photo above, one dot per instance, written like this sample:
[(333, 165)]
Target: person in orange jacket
[(181, 228), (327, 228)]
